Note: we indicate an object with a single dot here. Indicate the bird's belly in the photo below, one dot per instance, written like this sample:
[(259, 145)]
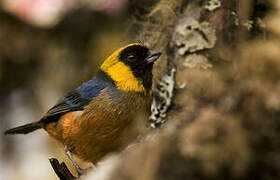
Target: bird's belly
[(93, 143), (101, 127), (92, 136)]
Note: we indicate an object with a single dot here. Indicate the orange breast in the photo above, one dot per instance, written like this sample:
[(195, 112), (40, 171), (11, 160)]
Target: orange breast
[(103, 126), (61, 129)]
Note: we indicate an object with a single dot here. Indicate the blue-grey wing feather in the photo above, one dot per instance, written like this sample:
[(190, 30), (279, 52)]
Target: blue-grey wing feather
[(76, 100)]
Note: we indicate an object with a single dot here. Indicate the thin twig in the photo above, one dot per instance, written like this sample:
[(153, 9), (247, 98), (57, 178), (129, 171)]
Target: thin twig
[(61, 170)]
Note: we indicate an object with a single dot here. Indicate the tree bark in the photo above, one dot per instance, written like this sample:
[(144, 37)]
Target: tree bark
[(222, 123)]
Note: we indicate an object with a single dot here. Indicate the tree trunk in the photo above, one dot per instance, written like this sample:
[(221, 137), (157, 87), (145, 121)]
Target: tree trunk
[(223, 122)]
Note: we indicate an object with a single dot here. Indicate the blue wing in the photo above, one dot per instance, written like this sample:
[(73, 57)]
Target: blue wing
[(76, 100)]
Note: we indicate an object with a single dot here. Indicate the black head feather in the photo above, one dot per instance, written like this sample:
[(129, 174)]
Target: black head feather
[(138, 58)]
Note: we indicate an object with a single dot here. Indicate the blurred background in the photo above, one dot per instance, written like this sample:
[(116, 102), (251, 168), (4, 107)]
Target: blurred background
[(225, 118), (47, 48)]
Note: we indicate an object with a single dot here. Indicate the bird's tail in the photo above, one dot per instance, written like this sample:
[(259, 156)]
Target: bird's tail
[(25, 128)]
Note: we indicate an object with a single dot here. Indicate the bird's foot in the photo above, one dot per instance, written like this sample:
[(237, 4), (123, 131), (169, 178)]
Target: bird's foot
[(79, 170)]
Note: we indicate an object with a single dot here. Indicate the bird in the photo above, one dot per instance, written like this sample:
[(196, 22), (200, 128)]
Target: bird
[(96, 118)]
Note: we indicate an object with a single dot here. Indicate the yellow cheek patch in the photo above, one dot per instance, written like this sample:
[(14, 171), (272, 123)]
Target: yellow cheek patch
[(124, 78), (120, 73)]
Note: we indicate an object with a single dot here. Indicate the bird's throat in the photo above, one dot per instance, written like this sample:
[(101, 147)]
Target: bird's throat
[(124, 78)]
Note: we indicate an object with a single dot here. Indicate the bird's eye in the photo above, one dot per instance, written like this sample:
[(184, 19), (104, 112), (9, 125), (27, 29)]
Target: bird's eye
[(131, 58)]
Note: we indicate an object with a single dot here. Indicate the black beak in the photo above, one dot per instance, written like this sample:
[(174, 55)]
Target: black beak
[(153, 56)]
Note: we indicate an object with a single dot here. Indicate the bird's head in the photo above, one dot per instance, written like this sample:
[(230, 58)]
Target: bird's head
[(130, 67)]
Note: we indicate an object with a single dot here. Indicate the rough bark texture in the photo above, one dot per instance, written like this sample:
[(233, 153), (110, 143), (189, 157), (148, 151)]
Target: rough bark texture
[(224, 120)]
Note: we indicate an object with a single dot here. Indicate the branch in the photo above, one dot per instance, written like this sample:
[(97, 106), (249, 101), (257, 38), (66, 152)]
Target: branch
[(61, 170)]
